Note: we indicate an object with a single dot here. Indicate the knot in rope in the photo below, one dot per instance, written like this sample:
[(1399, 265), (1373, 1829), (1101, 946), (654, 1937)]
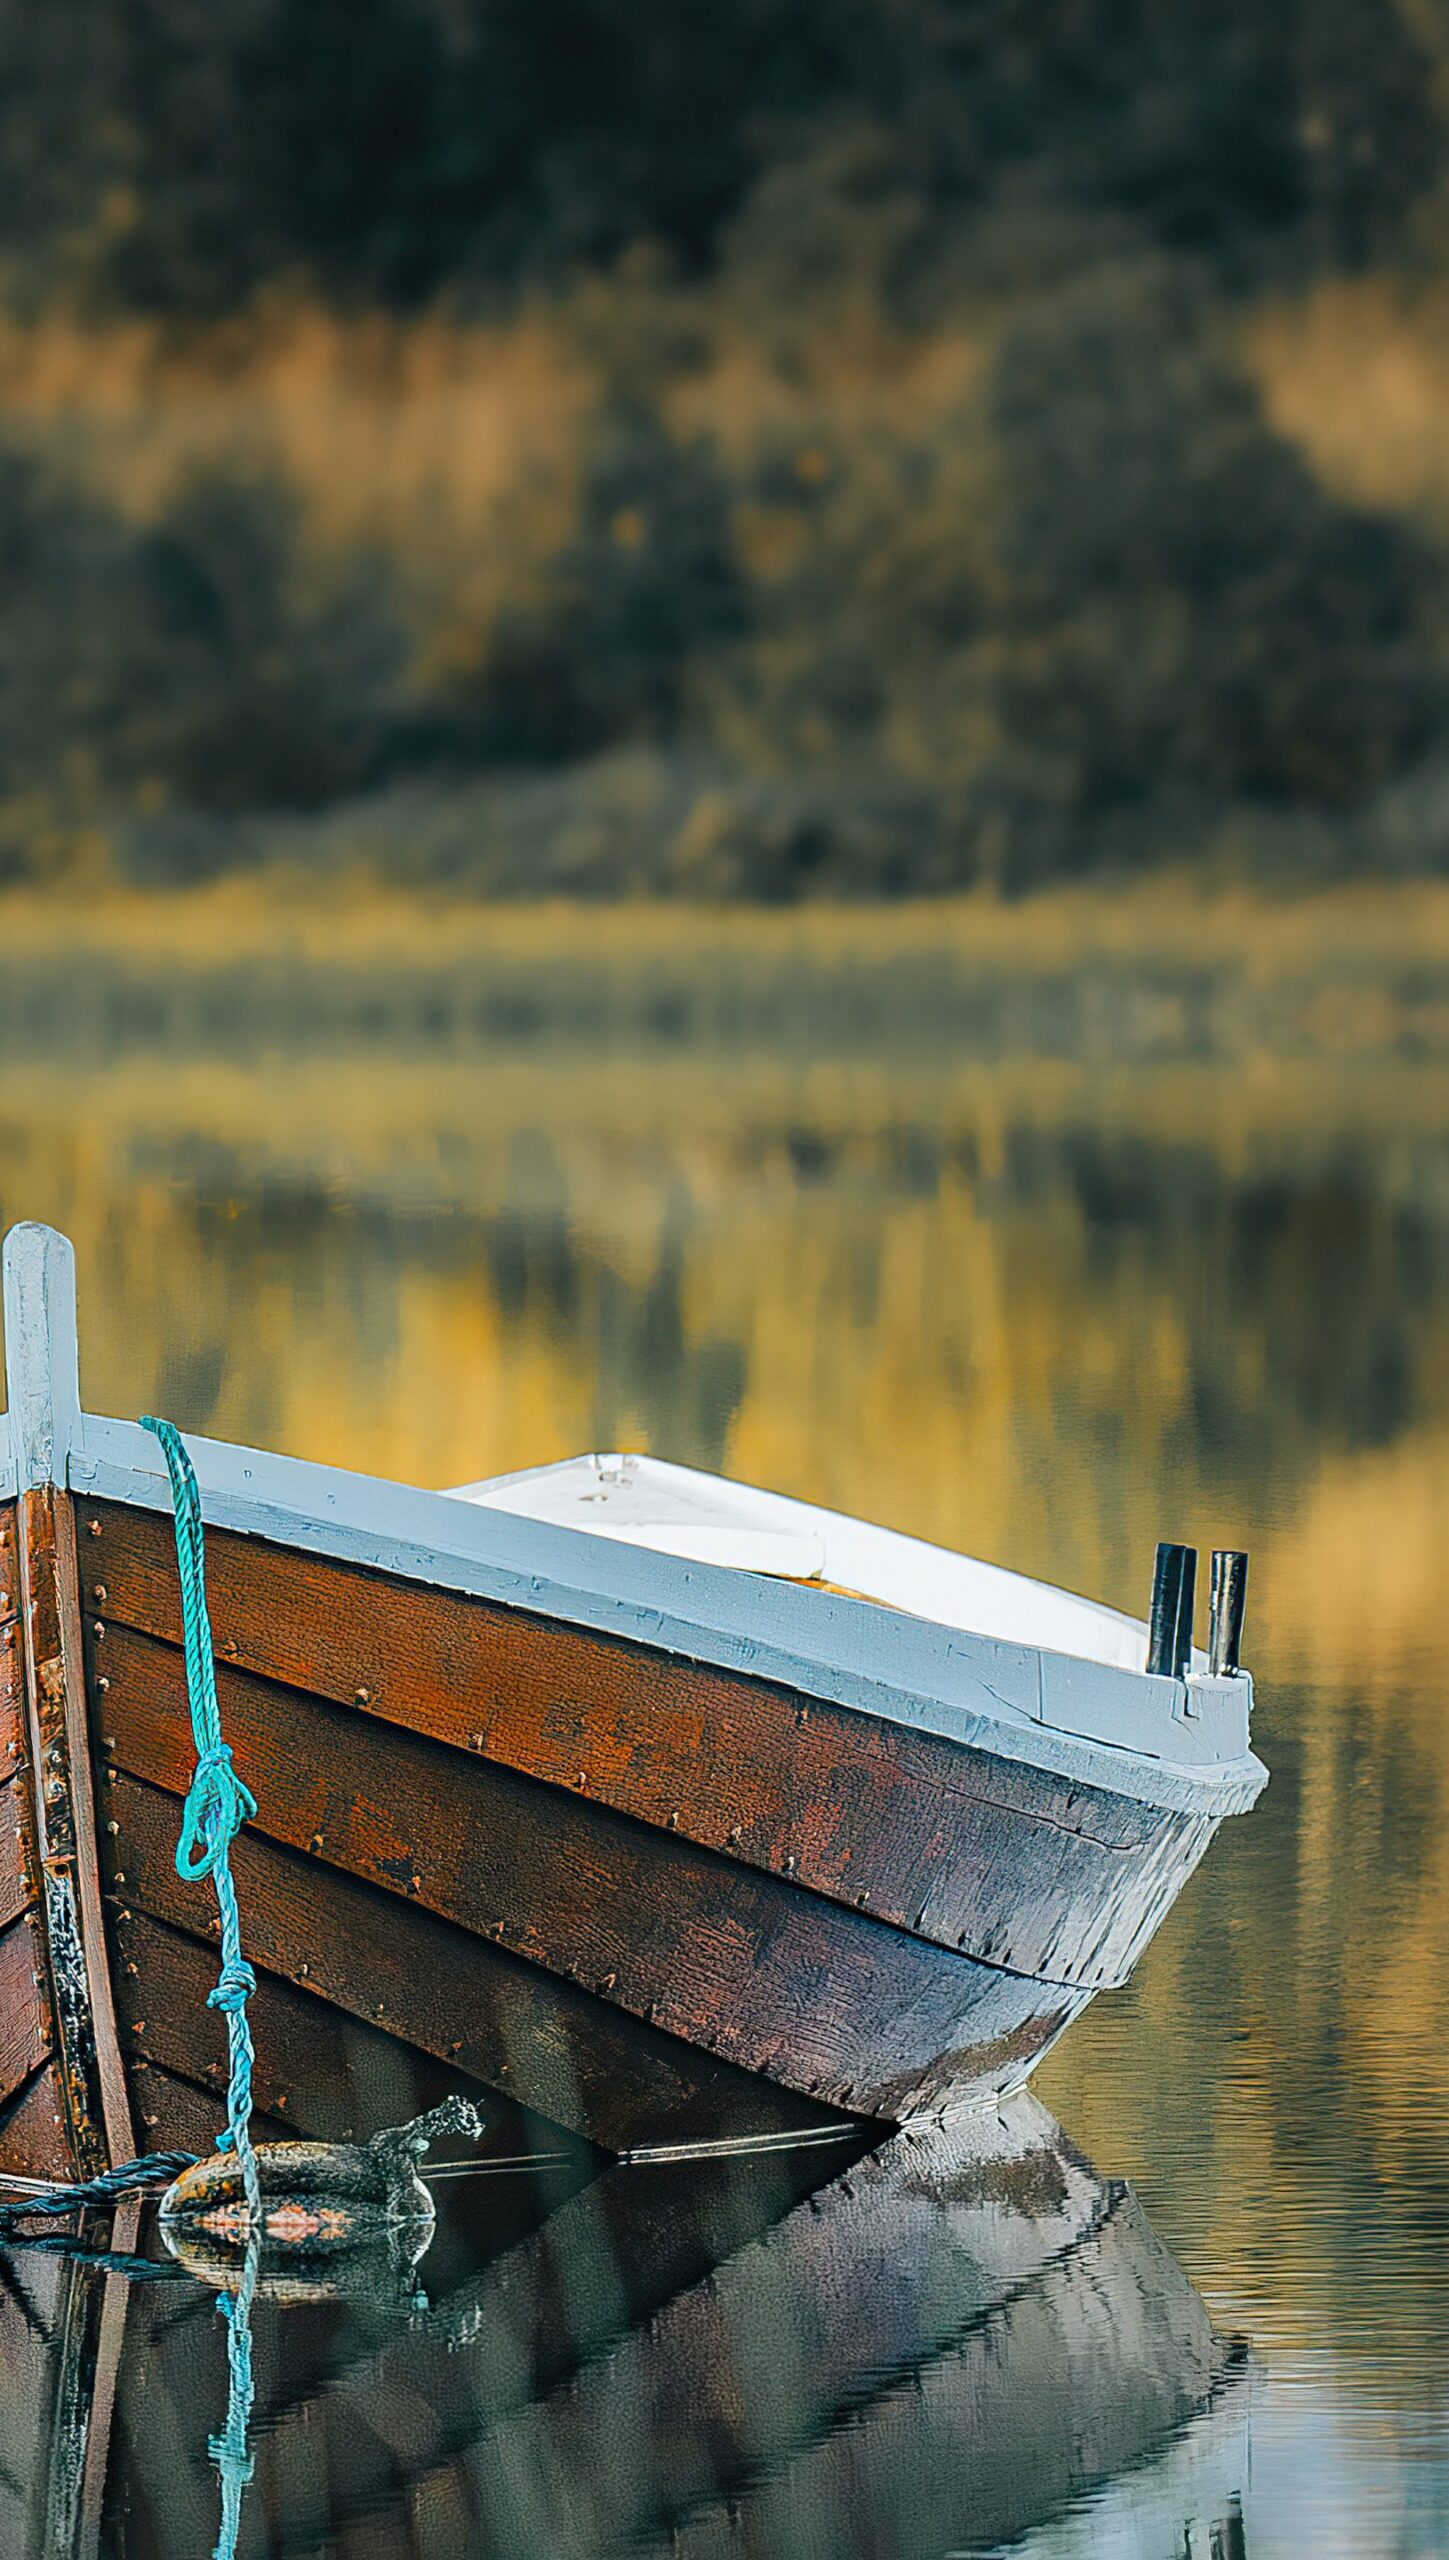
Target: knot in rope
[(216, 1807), (235, 1987), (217, 1804)]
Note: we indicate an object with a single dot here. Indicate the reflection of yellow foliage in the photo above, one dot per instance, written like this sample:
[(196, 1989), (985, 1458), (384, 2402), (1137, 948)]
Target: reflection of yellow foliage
[(1359, 1573)]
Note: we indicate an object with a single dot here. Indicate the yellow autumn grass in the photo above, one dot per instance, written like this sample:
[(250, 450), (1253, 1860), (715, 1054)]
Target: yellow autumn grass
[(1356, 932)]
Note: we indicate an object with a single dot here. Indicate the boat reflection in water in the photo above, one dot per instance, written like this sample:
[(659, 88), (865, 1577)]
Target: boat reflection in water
[(959, 2339)]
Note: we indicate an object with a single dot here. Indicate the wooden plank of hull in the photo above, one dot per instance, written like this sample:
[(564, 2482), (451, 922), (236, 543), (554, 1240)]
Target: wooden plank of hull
[(15, 1893), (174, 2114), (575, 2060), (32, 2129), (24, 2012), (43, 1387), (327, 2076), (33, 2141), (991, 1857), (63, 1815), (834, 2004), (17, 1868), (12, 1700)]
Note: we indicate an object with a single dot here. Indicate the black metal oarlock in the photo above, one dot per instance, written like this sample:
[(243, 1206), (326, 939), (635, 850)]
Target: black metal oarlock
[(1169, 1640), (1228, 1598)]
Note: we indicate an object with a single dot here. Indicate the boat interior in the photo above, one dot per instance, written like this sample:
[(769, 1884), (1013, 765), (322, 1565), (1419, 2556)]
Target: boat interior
[(681, 1511)]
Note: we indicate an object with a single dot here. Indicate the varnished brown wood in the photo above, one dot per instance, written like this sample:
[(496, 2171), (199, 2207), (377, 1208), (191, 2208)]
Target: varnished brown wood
[(15, 1893), (24, 2010), (999, 1860), (32, 2129), (175, 2114), (12, 1699), (328, 2076), (17, 1855), (833, 2003), (82, 2024), (541, 2041)]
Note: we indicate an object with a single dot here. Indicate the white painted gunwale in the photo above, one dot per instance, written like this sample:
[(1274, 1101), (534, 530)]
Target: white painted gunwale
[(979, 1691), (671, 1510), (1080, 1711)]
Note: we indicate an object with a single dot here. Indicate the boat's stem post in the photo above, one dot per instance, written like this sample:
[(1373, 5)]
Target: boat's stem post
[(1227, 1602), (42, 1380), (1174, 1580)]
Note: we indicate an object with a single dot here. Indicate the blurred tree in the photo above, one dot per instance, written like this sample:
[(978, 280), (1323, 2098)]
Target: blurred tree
[(646, 584), (177, 155), (1183, 605)]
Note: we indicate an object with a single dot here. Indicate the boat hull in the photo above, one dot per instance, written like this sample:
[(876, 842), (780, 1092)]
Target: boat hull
[(644, 1898)]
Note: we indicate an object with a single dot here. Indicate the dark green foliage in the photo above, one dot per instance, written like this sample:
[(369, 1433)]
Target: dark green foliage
[(179, 152), (179, 663), (1185, 608), (646, 584), (1096, 610)]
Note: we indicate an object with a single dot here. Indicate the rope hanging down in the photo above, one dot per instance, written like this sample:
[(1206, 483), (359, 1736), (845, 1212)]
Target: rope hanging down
[(216, 1806)]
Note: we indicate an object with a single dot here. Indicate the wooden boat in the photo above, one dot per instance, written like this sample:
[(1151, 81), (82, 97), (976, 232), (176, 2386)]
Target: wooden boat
[(665, 1808), (958, 2338)]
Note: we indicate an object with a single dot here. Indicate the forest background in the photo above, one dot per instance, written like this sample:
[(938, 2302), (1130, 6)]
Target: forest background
[(776, 451)]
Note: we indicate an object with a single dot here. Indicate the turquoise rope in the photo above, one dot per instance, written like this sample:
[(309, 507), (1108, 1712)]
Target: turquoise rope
[(216, 1807), (234, 2465)]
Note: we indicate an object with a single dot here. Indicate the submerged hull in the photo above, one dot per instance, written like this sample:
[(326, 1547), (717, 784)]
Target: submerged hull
[(517, 1835)]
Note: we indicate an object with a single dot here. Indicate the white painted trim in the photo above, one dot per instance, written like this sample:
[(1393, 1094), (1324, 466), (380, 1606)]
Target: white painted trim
[(9, 1483), (42, 1360), (1179, 1746), (646, 1502)]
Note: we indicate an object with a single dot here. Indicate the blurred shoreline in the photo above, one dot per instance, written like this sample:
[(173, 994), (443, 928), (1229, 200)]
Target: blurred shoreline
[(1159, 973)]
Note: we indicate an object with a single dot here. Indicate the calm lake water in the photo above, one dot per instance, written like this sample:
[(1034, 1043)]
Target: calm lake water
[(1039, 1314)]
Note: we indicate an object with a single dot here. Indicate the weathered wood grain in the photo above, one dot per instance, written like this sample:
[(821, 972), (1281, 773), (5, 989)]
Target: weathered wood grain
[(9, 1567), (328, 2076), (544, 2042), (24, 2019), (15, 1894), (17, 1870), (12, 1698), (32, 2130), (833, 2003), (175, 2114), (996, 1859), (62, 1797)]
